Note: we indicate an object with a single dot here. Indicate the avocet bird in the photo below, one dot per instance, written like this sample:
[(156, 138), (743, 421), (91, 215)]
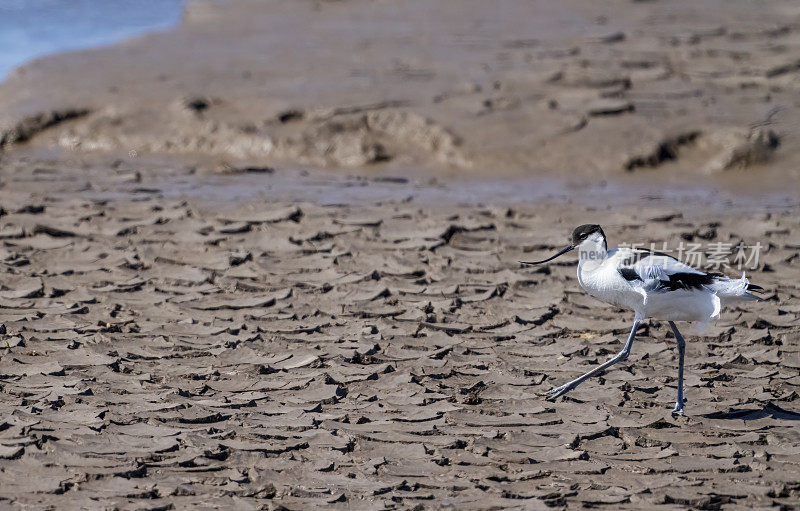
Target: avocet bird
[(652, 284)]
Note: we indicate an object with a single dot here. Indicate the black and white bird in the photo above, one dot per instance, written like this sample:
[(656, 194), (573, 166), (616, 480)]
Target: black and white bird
[(652, 284)]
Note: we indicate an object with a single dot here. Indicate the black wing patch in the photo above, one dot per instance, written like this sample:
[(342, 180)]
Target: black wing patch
[(678, 281), (629, 274)]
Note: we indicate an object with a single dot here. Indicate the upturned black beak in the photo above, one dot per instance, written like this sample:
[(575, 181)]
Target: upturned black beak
[(562, 252)]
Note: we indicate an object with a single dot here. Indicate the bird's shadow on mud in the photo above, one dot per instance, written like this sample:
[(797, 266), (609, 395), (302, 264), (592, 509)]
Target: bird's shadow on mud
[(769, 410)]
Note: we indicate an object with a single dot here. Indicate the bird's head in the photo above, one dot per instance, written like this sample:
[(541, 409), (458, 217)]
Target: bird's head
[(589, 239)]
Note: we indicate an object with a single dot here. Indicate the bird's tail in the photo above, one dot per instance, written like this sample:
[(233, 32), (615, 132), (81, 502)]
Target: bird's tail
[(731, 289)]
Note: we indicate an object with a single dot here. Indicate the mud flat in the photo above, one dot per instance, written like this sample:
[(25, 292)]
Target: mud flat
[(199, 308), (670, 90), (189, 351)]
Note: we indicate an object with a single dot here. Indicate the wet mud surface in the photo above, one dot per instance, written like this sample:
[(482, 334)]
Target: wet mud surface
[(673, 91), (161, 351)]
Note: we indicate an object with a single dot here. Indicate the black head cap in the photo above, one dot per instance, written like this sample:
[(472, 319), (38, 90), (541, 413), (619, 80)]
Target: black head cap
[(584, 231)]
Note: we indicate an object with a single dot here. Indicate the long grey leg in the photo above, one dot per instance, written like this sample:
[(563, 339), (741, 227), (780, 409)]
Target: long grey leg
[(621, 356), (678, 410)]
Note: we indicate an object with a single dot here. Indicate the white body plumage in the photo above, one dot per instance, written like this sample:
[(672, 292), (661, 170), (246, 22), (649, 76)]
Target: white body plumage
[(654, 285)]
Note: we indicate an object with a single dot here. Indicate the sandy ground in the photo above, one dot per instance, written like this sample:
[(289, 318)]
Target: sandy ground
[(190, 351), (199, 309)]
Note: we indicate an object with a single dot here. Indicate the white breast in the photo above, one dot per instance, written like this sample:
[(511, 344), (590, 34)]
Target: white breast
[(603, 281)]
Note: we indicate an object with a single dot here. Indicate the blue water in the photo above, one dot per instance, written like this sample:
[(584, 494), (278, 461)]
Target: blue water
[(32, 28)]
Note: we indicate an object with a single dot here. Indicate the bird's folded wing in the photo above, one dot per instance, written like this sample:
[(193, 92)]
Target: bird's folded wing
[(658, 271)]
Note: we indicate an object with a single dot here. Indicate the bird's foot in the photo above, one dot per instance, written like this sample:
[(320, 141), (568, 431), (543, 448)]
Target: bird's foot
[(558, 391)]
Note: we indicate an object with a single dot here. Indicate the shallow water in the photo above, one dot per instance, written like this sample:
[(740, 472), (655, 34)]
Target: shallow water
[(32, 28), (333, 188)]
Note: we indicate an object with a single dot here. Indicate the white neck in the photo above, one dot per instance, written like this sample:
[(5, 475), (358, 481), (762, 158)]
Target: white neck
[(592, 252)]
